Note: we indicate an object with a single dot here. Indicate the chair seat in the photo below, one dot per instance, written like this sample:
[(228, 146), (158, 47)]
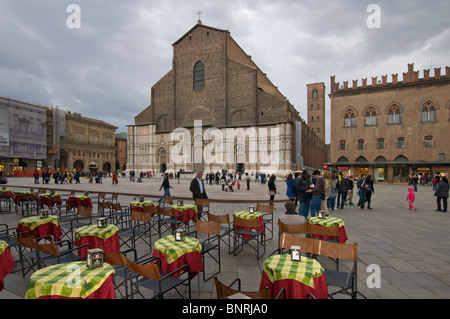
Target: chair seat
[(338, 278), (247, 232), (166, 284), (130, 232), (208, 246), (74, 225)]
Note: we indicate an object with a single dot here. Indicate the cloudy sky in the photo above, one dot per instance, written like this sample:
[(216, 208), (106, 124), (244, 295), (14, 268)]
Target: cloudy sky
[(103, 64)]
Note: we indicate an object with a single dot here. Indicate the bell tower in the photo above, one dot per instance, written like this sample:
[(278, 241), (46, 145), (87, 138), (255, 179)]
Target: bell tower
[(316, 108)]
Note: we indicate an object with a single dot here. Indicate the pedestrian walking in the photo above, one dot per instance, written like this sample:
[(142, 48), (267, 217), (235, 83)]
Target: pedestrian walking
[(272, 188), (290, 190), (304, 193), (411, 197), (342, 189), (318, 192), (441, 193), (369, 190), (361, 189), (166, 185), (115, 180)]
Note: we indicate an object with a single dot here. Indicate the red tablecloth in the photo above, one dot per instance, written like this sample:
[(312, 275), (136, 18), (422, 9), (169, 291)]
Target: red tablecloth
[(6, 265), (192, 259), (106, 291), (74, 201), (186, 215), (109, 245), (294, 288), (48, 229), (49, 202), (342, 235)]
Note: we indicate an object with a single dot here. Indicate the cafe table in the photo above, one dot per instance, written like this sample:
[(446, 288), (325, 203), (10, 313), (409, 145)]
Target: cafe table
[(185, 212), (298, 278), (72, 281), (41, 227), (49, 200), (174, 254), (139, 206), (7, 263), (248, 215), (107, 238), (331, 221), (79, 200)]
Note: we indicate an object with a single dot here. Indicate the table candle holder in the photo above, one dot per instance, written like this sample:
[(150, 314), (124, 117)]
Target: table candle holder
[(141, 199), (251, 209), (102, 222), (180, 235), (94, 258), (295, 253), (180, 202), (43, 213)]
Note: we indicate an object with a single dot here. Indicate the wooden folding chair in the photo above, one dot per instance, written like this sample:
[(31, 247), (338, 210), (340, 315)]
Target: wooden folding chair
[(346, 281), (225, 225), (242, 235), (267, 214), (224, 292), (209, 244)]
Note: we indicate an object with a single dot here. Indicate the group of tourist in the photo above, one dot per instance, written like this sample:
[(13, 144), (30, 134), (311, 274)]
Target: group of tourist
[(317, 192)]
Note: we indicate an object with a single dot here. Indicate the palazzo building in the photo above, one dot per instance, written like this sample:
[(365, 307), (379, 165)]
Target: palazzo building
[(216, 110), (392, 130)]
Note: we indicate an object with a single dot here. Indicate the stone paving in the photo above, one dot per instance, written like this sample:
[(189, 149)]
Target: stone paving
[(409, 247)]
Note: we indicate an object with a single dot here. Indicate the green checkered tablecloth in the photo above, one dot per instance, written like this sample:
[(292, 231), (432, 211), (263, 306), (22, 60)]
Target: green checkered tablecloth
[(46, 195), (146, 203), (73, 280), (6, 191), (174, 249), (246, 215), (82, 197), (328, 221), (279, 267), (93, 230), (3, 246), (182, 208), (36, 221)]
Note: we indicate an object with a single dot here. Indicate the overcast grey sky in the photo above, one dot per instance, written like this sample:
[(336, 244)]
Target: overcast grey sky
[(105, 68)]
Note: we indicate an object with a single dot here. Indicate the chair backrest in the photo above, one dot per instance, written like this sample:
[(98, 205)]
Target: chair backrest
[(223, 291), (105, 205), (323, 231), (140, 216), (116, 259), (116, 206), (115, 196), (84, 211), (55, 199), (49, 249), (165, 211), (150, 209), (204, 202), (42, 190), (307, 245), (221, 219), (261, 208), (149, 270), (28, 242), (336, 250), (241, 222), (211, 228), (72, 192), (101, 195), (168, 199), (293, 229)]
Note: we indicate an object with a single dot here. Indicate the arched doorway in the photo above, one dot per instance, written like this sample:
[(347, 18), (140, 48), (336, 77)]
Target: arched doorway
[(93, 167), (78, 165), (106, 167), (163, 160)]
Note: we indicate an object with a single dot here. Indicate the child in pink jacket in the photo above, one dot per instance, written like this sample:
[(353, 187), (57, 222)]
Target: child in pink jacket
[(411, 197)]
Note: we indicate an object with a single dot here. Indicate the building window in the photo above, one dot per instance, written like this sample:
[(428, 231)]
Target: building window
[(394, 115), (314, 94), (371, 117), (342, 145), (360, 144), (349, 119), (428, 142), (428, 112), (401, 143), (381, 143), (199, 76)]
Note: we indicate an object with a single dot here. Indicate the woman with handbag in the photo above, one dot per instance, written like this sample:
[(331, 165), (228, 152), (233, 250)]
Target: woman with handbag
[(272, 188)]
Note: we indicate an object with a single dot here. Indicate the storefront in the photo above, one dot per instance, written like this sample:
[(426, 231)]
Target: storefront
[(380, 173), (359, 170)]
